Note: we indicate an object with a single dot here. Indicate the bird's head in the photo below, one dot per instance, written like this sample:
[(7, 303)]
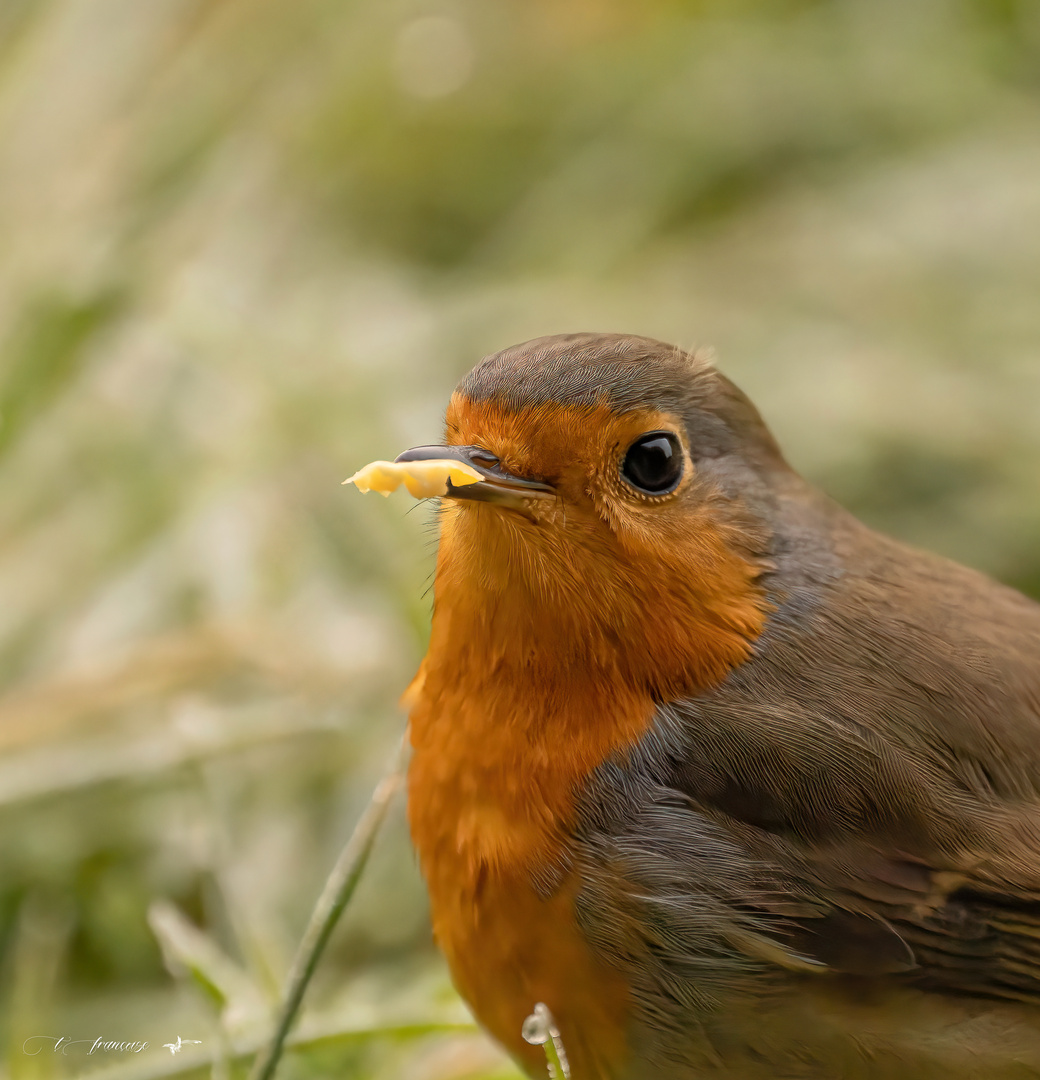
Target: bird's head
[(625, 501)]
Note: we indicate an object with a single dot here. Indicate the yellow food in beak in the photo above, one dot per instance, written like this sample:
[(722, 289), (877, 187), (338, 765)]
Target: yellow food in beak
[(423, 479)]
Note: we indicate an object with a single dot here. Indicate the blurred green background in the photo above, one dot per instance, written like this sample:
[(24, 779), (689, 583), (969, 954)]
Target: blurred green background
[(247, 246)]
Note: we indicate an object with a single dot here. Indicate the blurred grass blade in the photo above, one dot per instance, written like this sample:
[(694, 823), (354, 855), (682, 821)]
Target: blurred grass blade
[(187, 950), (339, 888), (42, 932), (44, 353)]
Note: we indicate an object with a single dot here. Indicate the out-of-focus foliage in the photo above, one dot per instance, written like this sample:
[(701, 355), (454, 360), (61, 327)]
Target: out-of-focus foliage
[(247, 246)]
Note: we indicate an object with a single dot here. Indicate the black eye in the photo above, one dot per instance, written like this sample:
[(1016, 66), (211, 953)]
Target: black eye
[(654, 463)]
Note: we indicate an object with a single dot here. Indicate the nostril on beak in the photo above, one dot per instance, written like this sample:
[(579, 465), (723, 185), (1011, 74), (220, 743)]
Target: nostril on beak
[(483, 457)]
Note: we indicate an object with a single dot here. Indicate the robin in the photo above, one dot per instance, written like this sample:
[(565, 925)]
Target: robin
[(736, 786)]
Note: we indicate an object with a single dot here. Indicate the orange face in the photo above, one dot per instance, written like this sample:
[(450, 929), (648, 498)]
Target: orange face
[(597, 559), (579, 451)]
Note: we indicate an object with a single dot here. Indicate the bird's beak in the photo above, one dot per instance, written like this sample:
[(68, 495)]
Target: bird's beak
[(497, 486)]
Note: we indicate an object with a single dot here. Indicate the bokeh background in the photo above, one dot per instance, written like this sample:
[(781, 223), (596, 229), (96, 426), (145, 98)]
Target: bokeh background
[(247, 246)]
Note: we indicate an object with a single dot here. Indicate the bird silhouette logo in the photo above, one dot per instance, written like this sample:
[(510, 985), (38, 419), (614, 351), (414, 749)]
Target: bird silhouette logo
[(178, 1046)]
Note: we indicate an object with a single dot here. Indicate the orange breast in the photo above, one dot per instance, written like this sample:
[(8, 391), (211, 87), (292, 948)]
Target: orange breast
[(487, 827)]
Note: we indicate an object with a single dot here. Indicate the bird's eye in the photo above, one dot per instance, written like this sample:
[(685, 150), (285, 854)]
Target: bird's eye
[(654, 463)]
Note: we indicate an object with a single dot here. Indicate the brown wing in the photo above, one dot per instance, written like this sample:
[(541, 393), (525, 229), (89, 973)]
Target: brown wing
[(856, 909), (883, 750)]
